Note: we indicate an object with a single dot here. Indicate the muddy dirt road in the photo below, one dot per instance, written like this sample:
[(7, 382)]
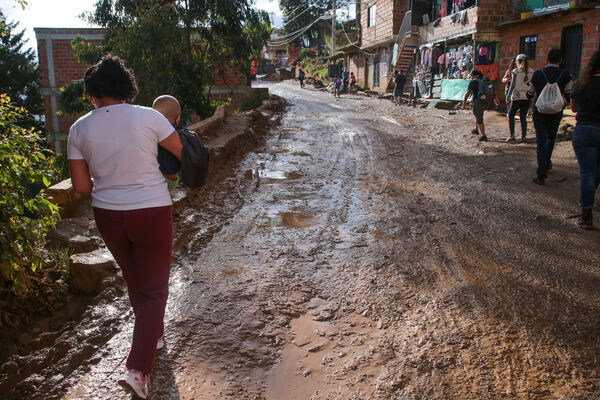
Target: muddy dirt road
[(368, 251)]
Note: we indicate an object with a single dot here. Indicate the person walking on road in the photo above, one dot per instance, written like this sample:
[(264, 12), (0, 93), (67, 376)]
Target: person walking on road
[(337, 86), (345, 79), (112, 154), (546, 122), (506, 80), (475, 89), (399, 81), (517, 93), (301, 77), (585, 101)]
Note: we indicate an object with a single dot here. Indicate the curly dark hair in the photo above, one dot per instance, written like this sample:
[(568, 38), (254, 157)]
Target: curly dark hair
[(110, 78)]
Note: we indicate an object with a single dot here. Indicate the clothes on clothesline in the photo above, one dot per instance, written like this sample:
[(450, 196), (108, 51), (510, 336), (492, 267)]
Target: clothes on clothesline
[(486, 53)]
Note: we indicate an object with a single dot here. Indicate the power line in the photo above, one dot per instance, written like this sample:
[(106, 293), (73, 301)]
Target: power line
[(295, 35)]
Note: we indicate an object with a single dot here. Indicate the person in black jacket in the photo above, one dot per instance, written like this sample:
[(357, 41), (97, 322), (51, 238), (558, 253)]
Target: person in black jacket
[(546, 125)]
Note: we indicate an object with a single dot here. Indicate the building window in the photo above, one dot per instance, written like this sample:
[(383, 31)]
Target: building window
[(527, 46), (371, 11)]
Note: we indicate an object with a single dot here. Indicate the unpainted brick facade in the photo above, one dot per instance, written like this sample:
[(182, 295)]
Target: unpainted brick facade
[(58, 67), (371, 62), (549, 32)]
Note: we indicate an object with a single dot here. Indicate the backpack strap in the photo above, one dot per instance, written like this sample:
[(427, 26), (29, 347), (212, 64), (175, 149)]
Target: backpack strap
[(557, 79), (545, 76)]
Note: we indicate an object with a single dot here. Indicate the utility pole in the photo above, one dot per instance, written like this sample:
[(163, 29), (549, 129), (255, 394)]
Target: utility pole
[(333, 26)]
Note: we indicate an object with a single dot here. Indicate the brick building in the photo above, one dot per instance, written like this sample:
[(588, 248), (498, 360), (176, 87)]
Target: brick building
[(571, 26), (371, 58), (58, 67)]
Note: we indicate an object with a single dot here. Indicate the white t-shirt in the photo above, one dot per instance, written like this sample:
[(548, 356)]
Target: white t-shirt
[(120, 145)]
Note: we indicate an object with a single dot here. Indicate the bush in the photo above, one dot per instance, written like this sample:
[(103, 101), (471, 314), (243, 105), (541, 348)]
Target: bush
[(252, 101), (307, 53), (25, 215)]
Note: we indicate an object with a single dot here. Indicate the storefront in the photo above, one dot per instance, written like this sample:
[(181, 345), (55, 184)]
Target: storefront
[(442, 64)]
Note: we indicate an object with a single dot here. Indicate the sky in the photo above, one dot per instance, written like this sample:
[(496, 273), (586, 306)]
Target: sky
[(65, 14)]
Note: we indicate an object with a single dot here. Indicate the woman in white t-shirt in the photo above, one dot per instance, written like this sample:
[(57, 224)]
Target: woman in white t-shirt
[(112, 154)]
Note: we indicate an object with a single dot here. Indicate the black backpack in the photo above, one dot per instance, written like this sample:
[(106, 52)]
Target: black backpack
[(486, 92), (194, 159)]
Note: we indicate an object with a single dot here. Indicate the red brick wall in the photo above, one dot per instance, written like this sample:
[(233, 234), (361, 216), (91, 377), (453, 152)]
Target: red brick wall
[(446, 27), (388, 19), (228, 75), (549, 34), (66, 68), (492, 13)]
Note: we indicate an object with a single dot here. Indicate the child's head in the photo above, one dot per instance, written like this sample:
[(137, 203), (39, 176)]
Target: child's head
[(169, 107)]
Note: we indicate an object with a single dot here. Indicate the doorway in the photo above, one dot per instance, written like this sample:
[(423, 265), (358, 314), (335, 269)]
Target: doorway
[(376, 71), (572, 38)]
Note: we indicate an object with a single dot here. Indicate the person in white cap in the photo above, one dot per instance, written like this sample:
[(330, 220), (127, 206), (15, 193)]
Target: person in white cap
[(517, 95)]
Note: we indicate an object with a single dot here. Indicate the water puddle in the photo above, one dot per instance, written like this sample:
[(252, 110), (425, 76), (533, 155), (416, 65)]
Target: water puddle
[(320, 353), (271, 175), (287, 220)]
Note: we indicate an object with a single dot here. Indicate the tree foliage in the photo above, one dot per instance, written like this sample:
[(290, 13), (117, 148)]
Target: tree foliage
[(173, 46), (19, 75), (301, 13), (25, 215)]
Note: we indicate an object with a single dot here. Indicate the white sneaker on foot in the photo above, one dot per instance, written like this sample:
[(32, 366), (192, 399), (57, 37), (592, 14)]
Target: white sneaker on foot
[(161, 343), (135, 382)]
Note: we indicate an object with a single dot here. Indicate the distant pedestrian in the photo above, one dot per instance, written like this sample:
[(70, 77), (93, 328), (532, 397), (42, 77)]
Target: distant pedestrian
[(475, 89), (352, 81), (112, 154), (586, 137), (301, 77), (399, 81), (546, 122), (345, 79), (337, 86), (517, 93), (506, 80)]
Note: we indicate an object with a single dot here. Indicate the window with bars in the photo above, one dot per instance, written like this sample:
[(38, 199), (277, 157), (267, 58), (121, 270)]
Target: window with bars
[(528, 46)]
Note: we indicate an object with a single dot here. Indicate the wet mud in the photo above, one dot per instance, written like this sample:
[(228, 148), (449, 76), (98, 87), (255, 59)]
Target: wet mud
[(364, 251)]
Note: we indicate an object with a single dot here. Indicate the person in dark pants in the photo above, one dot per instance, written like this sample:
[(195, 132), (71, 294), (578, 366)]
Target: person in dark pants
[(301, 77), (399, 81), (478, 104), (517, 96), (546, 125), (585, 101)]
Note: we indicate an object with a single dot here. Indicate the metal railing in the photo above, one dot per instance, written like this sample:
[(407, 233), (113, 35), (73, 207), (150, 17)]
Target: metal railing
[(405, 29)]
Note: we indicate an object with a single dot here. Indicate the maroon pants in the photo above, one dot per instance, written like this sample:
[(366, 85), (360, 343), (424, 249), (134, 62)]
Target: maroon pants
[(141, 242)]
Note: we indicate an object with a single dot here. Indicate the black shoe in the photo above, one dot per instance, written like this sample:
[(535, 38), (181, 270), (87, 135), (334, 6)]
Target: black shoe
[(549, 166), (511, 139), (483, 139), (587, 219), (523, 140), (475, 132), (539, 181)]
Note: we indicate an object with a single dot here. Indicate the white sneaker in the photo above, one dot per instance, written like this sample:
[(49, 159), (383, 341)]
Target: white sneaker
[(161, 343), (135, 382)]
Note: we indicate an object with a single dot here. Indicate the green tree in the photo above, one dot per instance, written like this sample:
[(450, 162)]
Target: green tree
[(173, 46), (299, 14), (25, 216), (19, 75)]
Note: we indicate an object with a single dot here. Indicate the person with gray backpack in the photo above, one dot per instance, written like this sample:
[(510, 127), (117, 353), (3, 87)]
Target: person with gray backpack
[(552, 85)]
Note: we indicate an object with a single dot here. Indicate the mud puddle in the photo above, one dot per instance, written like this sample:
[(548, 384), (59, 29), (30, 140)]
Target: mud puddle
[(319, 355)]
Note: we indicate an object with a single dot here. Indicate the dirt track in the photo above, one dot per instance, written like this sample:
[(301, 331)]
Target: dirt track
[(368, 251)]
